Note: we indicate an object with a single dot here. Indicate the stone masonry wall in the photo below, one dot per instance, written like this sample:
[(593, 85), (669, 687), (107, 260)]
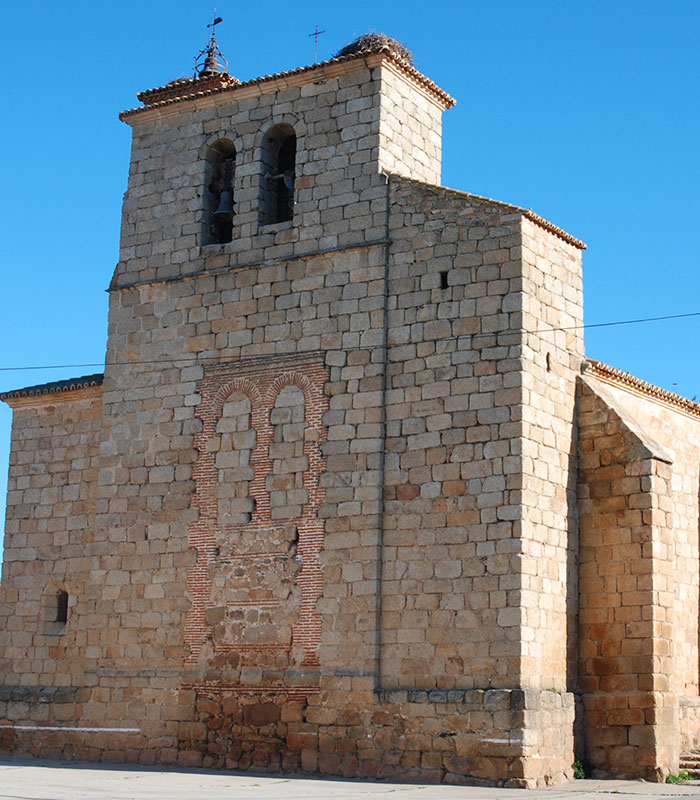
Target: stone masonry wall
[(452, 546), (676, 435), (689, 723), (50, 546), (544, 486), (448, 548), (628, 587), (410, 133)]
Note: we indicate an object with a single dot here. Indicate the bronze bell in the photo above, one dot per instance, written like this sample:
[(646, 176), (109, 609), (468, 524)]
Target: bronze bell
[(211, 65), (225, 207)]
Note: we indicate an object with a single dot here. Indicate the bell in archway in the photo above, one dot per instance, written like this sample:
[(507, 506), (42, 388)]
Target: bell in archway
[(225, 207), (222, 218)]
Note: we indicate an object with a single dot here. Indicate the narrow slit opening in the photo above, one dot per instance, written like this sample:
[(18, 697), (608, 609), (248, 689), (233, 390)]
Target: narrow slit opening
[(62, 607)]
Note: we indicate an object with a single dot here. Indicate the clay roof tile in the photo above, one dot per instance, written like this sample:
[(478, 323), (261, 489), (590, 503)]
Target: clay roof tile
[(55, 387), (617, 376), (184, 89)]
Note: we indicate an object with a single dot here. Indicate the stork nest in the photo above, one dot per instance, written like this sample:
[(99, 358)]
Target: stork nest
[(370, 42)]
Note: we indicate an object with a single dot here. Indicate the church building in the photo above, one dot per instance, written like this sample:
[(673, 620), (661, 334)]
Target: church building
[(348, 498)]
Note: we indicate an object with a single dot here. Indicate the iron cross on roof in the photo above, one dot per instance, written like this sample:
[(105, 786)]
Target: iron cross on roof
[(316, 34)]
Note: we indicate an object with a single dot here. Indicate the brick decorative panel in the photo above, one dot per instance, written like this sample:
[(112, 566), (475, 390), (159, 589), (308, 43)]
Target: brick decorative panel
[(256, 580)]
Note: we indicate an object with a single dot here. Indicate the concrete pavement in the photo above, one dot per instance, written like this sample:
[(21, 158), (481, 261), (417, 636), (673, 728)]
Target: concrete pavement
[(29, 779)]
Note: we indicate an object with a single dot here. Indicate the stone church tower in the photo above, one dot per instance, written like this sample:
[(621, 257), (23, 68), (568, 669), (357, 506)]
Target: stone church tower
[(321, 512)]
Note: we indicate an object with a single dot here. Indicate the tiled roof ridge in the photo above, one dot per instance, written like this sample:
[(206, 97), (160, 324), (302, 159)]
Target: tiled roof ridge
[(615, 375), (526, 212), (220, 80), (401, 63), (55, 387), (177, 83), (170, 85)]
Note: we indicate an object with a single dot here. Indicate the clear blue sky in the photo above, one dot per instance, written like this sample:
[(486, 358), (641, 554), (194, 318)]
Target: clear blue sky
[(586, 112)]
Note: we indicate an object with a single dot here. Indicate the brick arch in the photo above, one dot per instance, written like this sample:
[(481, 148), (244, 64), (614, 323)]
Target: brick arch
[(289, 379), (307, 632), (210, 413), (315, 400), (260, 423), (246, 387), (235, 445), (298, 443), (205, 501)]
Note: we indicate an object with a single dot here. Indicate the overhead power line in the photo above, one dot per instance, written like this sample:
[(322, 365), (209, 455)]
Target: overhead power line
[(198, 359), (633, 321)]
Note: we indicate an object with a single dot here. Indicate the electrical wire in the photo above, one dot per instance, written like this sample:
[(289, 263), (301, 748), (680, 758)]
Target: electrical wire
[(199, 359)]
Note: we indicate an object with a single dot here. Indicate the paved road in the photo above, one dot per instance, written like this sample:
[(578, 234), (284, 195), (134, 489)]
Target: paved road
[(24, 779)]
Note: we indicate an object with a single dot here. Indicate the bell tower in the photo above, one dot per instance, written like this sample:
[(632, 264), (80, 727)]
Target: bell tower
[(226, 171)]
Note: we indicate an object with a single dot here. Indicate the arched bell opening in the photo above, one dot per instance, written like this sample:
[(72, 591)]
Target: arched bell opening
[(279, 153), (219, 203)]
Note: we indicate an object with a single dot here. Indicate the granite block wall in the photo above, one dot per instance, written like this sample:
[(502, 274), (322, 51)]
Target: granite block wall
[(50, 542), (639, 598)]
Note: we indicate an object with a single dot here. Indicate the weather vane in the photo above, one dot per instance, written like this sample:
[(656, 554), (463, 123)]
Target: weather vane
[(316, 34), (213, 25), (211, 64)]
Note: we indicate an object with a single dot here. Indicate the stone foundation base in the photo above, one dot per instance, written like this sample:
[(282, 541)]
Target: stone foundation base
[(689, 718), (472, 737)]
